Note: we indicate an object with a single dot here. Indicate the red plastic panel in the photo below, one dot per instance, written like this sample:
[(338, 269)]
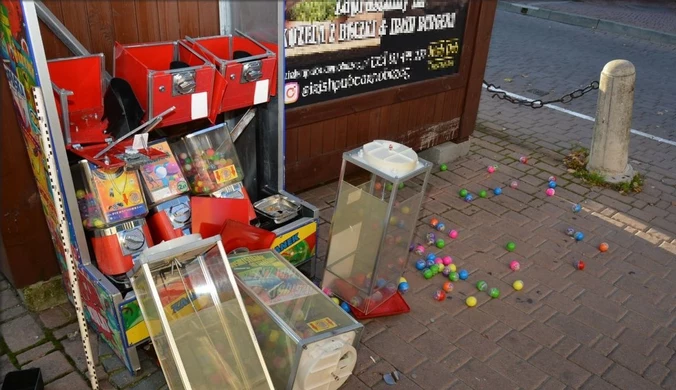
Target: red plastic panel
[(204, 78), (237, 235), (129, 68), (209, 214), (109, 256), (161, 227)]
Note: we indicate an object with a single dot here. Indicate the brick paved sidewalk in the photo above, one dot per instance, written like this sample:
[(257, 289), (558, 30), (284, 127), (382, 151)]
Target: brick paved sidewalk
[(654, 15), (611, 325)]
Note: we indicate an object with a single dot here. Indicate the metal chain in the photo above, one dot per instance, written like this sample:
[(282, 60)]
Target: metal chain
[(567, 98)]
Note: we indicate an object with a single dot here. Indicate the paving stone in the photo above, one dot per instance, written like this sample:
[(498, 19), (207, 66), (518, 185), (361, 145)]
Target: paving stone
[(433, 346), (153, 382), (428, 376), (543, 334), (374, 374), (590, 360), (517, 370), (670, 381), (566, 346), (601, 305), (35, 353), (11, 313), (479, 377), (72, 381), (477, 345), (519, 345), (497, 331), (636, 341), (6, 365), (52, 366), (552, 384), (70, 330), (630, 358), (57, 316), (596, 321), (656, 373), (8, 299), (557, 366), (393, 349), (24, 330), (561, 302), (75, 351), (573, 328), (476, 319), (354, 383), (404, 382), (596, 383), (505, 313), (626, 380), (405, 326)]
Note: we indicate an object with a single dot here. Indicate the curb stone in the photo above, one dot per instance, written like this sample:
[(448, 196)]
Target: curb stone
[(587, 22)]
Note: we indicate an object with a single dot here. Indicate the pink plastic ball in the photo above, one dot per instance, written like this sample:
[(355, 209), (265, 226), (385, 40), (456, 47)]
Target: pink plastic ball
[(514, 265), (447, 260), (523, 160), (550, 192), (514, 184), (491, 169), (453, 234), (438, 260), (327, 291)]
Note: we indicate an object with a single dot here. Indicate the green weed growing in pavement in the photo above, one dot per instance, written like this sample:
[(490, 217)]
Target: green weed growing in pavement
[(576, 162)]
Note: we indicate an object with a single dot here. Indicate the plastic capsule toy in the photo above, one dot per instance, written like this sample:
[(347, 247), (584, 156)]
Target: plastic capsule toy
[(439, 295), (469, 198), (576, 208), (447, 260), (483, 194), (431, 238), (420, 264), (579, 236), (523, 160), (430, 263), (463, 274), (514, 265), (514, 184), (453, 234), (494, 292), (434, 222), (570, 232), (497, 191), (448, 286), (441, 227), (579, 265), (551, 184), (345, 307), (481, 285), (430, 256), (551, 178), (446, 271), (419, 250), (453, 277)]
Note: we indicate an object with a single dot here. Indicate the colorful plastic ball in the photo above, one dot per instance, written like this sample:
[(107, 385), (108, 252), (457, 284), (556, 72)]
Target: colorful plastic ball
[(336, 300), (355, 301), (470, 301), (551, 178), (497, 191), (570, 232), (435, 269), (603, 247), (453, 276), (431, 238), (434, 222), (448, 286), (401, 224), (440, 243), (453, 268), (419, 250), (430, 263), (428, 274), (439, 295), (327, 291), (439, 260), (576, 208), (514, 184), (579, 265), (406, 210), (377, 296), (402, 280), (514, 265), (388, 186), (550, 192), (443, 167), (401, 185), (463, 274), (491, 169), (511, 246), (345, 307), (453, 234), (441, 227), (551, 184), (420, 264), (481, 285), (447, 260), (517, 285), (430, 256), (403, 287), (394, 220), (378, 186), (579, 236), (463, 193), (380, 283), (483, 194), (523, 160), (494, 292), (446, 271)]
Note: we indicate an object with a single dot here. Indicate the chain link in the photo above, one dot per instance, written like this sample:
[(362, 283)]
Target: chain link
[(567, 98)]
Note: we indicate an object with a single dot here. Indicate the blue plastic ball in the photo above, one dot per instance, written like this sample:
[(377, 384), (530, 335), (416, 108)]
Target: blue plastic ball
[(431, 256), (381, 283), (441, 227), (570, 232), (403, 287), (420, 264), (552, 184), (401, 224), (576, 208), (497, 191), (579, 236), (345, 307), (469, 198), (430, 263), (463, 274)]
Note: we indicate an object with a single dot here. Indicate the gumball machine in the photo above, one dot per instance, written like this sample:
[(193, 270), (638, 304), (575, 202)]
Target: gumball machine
[(373, 225), (165, 187), (307, 341), (196, 317), (112, 207)]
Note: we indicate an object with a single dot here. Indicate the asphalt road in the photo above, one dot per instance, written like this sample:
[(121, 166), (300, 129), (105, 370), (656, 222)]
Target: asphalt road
[(542, 59)]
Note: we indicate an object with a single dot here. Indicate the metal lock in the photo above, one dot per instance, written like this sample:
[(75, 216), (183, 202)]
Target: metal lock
[(184, 83), (180, 215), (251, 71), (132, 241)]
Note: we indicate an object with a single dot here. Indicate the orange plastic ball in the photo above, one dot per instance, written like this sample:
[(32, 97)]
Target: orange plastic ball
[(434, 222), (603, 247)]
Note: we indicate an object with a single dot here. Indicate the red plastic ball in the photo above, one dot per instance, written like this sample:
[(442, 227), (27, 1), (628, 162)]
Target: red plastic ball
[(579, 265)]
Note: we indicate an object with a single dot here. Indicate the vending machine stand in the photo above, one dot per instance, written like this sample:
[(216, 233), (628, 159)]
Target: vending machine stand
[(111, 308)]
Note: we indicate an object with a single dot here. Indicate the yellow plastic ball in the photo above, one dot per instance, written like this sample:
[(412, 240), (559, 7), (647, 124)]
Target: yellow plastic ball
[(518, 285), (470, 301), (453, 268), (336, 300), (80, 194), (402, 280)]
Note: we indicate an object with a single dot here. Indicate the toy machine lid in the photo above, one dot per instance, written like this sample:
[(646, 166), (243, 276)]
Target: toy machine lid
[(391, 159)]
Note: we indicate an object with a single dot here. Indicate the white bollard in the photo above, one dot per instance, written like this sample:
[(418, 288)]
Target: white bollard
[(609, 153)]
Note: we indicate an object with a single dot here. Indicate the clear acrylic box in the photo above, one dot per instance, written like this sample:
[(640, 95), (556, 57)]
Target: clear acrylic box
[(196, 317), (308, 341), (374, 221)]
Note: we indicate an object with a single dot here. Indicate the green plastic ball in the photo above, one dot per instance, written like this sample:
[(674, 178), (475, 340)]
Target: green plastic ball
[(388, 186), (443, 167), (481, 285), (401, 185), (453, 277), (483, 194), (428, 274), (510, 246), (494, 292), (463, 193), (440, 243)]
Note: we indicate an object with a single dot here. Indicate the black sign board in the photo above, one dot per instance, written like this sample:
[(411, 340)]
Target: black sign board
[(339, 48)]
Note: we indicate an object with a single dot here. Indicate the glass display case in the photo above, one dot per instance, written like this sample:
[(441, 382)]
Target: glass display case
[(196, 317), (373, 223), (308, 341)]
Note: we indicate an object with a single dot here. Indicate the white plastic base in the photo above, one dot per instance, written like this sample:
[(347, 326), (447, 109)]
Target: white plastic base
[(326, 364), (390, 156)]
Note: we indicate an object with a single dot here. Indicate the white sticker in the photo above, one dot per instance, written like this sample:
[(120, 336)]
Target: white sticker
[(262, 92), (199, 107), (140, 141)]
